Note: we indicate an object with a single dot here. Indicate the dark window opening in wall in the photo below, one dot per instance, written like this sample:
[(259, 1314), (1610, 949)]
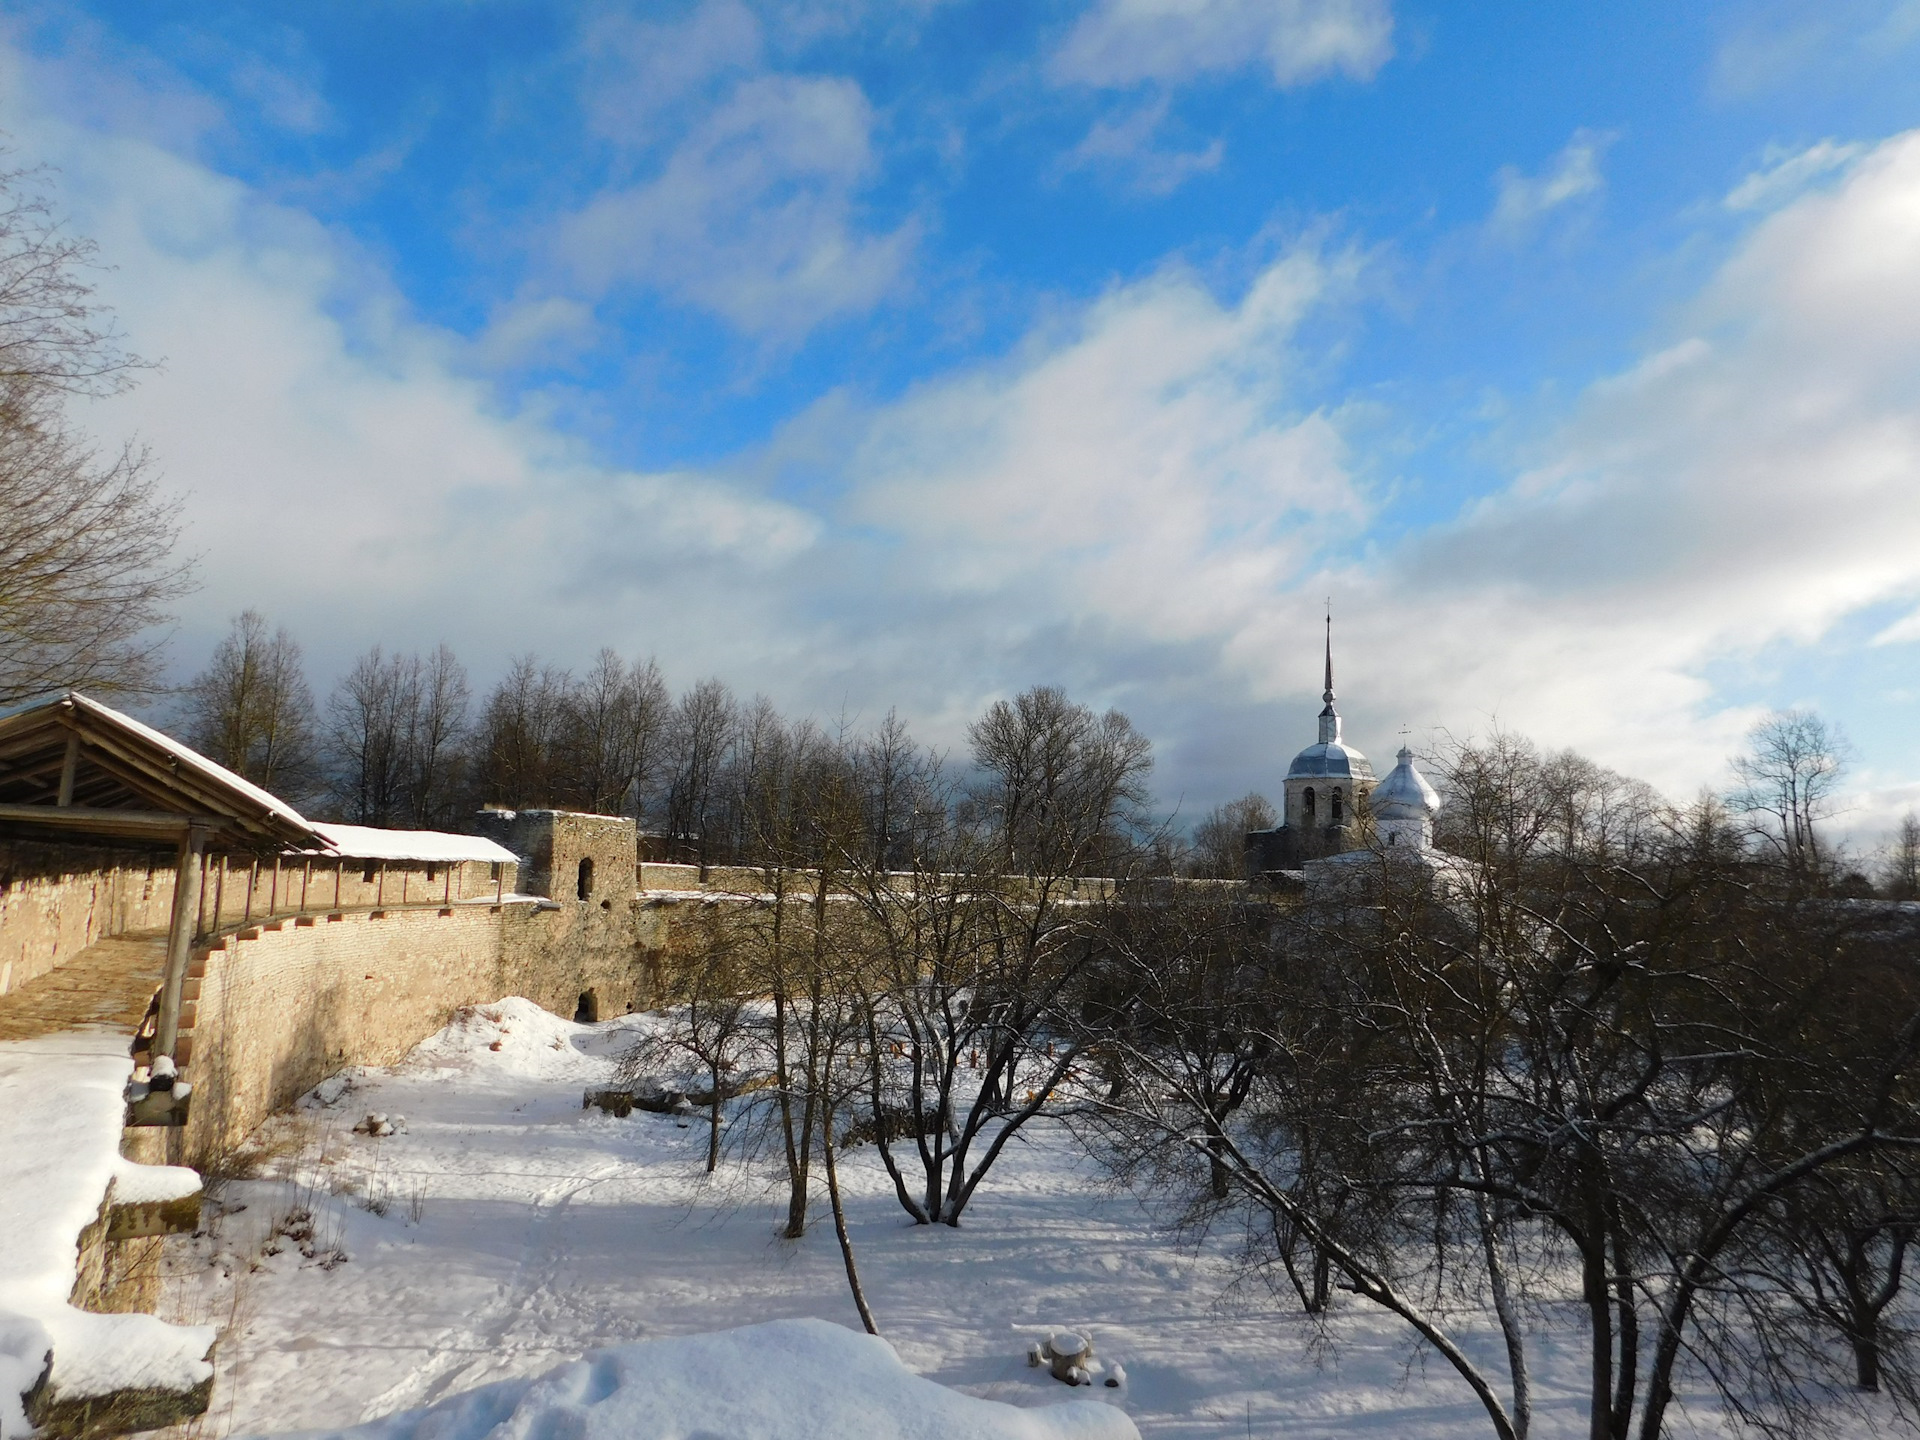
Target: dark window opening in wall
[(585, 884), (367, 877), (433, 872), (1306, 802), (493, 870), (588, 1010), (1336, 807)]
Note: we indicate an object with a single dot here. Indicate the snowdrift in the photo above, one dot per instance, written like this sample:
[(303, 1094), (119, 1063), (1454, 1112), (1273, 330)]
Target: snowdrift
[(61, 1112), (786, 1380)]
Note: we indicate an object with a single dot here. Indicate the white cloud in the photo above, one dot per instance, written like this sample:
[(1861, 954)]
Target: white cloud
[(1128, 143), (638, 69), (1784, 173), (338, 472), (1137, 501), (1144, 469), (1125, 42), (754, 215), (1749, 483), (1574, 172)]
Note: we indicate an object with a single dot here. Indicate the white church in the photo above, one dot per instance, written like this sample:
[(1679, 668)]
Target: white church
[(1332, 798)]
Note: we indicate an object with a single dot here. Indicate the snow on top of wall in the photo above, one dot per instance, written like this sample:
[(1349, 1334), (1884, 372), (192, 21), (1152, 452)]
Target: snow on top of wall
[(785, 1380), (61, 1112), (439, 847)]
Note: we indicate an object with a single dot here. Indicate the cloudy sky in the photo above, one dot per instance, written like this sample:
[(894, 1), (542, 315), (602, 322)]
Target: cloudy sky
[(905, 354)]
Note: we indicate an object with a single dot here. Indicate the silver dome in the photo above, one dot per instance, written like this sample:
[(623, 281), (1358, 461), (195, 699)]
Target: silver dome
[(1405, 793), (1330, 759)]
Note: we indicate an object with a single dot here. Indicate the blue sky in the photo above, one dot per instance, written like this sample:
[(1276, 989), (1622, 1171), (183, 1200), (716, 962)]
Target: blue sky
[(907, 354)]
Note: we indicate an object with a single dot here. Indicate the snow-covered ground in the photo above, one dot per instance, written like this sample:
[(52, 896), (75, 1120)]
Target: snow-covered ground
[(61, 1113), (502, 1231)]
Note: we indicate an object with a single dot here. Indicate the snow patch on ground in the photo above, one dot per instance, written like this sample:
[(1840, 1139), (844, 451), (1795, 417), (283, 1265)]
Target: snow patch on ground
[(506, 1231), (61, 1114), (786, 1380)]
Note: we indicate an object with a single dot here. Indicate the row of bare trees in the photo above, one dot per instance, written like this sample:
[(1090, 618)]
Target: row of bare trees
[(401, 742), (1601, 1065)]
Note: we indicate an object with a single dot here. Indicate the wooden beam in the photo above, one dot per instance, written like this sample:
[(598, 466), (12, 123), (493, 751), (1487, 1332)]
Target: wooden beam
[(85, 818), (186, 900), (67, 768)]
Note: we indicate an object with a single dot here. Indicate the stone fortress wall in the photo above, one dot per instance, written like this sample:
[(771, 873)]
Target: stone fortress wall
[(310, 966), (55, 900)]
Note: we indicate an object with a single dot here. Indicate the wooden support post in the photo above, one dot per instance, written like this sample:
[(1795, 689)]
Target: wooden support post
[(450, 870), (220, 895), (499, 882), (273, 893), (306, 879), (186, 899), (380, 887), (200, 920), (339, 869), (405, 875), (69, 768), (253, 878)]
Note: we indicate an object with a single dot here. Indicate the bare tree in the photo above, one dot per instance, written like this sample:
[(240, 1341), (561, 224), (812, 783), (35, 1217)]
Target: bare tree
[(979, 947), (1589, 1032), (698, 737), (1901, 880), (1786, 783), (368, 718), (251, 709), (597, 751), (517, 744), (649, 713), (437, 728), (1062, 786), (1220, 840), (85, 541)]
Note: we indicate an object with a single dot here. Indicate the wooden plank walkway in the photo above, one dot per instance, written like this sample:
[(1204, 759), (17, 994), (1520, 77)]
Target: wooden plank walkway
[(107, 985)]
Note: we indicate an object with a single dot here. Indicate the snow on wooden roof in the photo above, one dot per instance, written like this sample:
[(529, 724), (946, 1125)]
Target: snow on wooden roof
[(437, 847), (70, 763)]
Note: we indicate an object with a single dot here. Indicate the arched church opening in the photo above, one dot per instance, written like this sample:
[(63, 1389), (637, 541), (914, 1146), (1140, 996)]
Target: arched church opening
[(1336, 807), (588, 1010), (585, 884), (1306, 802)]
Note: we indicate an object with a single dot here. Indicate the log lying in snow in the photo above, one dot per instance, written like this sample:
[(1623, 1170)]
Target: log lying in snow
[(662, 1099), (900, 1123)]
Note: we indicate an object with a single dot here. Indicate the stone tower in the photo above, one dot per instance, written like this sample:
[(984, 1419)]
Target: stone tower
[(1326, 793)]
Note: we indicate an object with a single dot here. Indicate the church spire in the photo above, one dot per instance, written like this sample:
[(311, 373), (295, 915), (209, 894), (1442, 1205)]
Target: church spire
[(1329, 717), (1328, 696)]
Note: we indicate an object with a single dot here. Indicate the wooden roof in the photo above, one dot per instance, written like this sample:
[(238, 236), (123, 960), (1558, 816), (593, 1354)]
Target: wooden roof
[(72, 766)]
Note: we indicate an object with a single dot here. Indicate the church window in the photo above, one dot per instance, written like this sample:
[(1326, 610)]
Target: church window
[(1336, 807), (584, 887), (1306, 802)]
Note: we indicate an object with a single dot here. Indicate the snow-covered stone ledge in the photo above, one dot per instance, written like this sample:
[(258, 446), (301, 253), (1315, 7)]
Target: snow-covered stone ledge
[(785, 1380), (65, 1192)]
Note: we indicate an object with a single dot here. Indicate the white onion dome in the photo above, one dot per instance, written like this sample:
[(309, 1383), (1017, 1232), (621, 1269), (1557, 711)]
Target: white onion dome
[(1404, 794)]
